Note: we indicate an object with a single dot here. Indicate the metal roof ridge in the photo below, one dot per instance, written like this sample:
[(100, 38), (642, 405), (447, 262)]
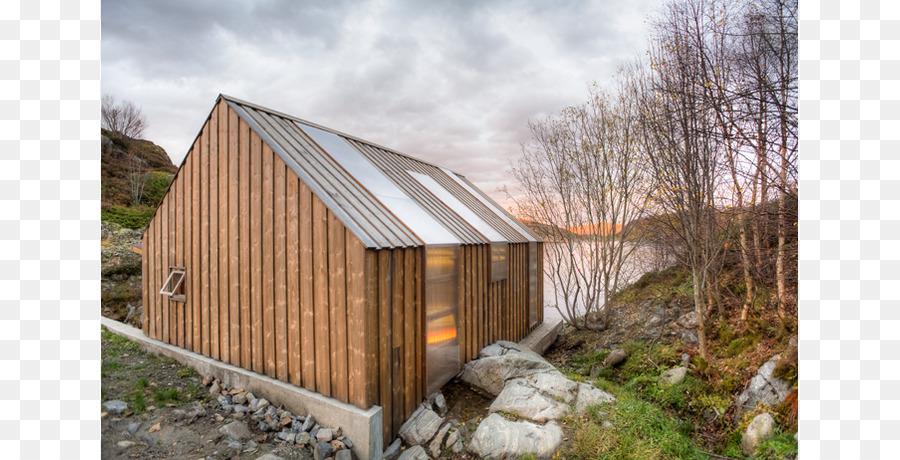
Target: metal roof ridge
[(325, 128)]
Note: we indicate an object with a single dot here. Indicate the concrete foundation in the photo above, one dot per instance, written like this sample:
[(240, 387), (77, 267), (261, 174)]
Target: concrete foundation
[(543, 336), (362, 426)]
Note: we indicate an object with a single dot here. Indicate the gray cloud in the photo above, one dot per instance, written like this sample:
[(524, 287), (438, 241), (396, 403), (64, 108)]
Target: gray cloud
[(454, 83)]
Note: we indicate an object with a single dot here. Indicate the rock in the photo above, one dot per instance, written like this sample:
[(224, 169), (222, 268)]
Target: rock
[(554, 384), (308, 423), (595, 371), (457, 447), (492, 372), (689, 337), (437, 444), (133, 427), (240, 398), (302, 438), (115, 406), (616, 357), (672, 376), (452, 438), (438, 404), (234, 445), (287, 437), (393, 451), (324, 435), (269, 456), (685, 359), (347, 442), (421, 426), (313, 432), (763, 388), (250, 447), (497, 438), (207, 380), (262, 404), (214, 390), (189, 415), (526, 401), (343, 455), (337, 445), (225, 402), (236, 430), (761, 428), (240, 409), (590, 396), (688, 320), (322, 451), (499, 348), (607, 424), (125, 444), (414, 453)]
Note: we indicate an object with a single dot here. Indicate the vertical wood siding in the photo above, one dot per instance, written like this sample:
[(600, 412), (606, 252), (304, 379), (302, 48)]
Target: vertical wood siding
[(276, 284)]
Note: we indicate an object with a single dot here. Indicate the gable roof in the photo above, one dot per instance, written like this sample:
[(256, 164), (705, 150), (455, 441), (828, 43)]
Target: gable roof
[(386, 198)]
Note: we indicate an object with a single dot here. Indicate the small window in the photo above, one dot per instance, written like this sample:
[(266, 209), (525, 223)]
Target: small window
[(499, 262), (174, 285)]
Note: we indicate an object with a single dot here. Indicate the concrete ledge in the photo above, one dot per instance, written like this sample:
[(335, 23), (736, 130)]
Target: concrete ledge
[(362, 426), (543, 336)]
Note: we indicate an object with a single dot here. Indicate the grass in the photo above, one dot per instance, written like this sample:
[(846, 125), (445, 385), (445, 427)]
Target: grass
[(133, 217), (166, 395)]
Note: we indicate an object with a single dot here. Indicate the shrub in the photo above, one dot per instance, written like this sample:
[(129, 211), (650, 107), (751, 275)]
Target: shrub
[(135, 218)]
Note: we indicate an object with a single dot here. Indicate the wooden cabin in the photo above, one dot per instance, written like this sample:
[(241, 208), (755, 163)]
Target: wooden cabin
[(331, 263)]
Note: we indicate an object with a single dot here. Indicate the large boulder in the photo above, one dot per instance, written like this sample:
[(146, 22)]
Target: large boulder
[(499, 348), (590, 396), (414, 453), (498, 438), (761, 428), (763, 388), (492, 372), (553, 384), (528, 402), (421, 426)]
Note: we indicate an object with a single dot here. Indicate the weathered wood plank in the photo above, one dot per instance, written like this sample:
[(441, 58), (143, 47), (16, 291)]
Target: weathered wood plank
[(188, 251), (234, 256), (195, 247), (256, 258), (384, 281), (357, 328), (145, 283), (245, 243), (179, 255), (293, 277), (371, 323), (268, 258), (206, 341), (166, 261), (158, 271), (409, 324), (398, 332), (224, 283), (337, 295), (307, 307), (214, 330), (320, 296), (279, 215)]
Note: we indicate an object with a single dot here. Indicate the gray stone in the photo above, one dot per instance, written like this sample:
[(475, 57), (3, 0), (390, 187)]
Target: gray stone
[(343, 455), (590, 396), (241, 409), (688, 320), (414, 453), (250, 447), (235, 445), (133, 427), (261, 403), (690, 337), (240, 398), (616, 357), (421, 426), (214, 390), (347, 442), (761, 428), (457, 446), (498, 438), (554, 384), (308, 423), (607, 424), (322, 451), (324, 435), (528, 402), (313, 432), (236, 430), (499, 348), (125, 444), (491, 373), (225, 402), (438, 404), (672, 376), (250, 396), (685, 359), (436, 444), (393, 451), (287, 437), (763, 388), (452, 438), (269, 456), (115, 406), (302, 438)]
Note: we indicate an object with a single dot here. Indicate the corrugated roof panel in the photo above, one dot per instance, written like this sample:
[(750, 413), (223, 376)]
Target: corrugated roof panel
[(458, 207), (402, 206)]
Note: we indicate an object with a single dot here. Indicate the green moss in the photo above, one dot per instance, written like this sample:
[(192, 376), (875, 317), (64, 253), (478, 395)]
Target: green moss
[(777, 447), (166, 395), (135, 217)]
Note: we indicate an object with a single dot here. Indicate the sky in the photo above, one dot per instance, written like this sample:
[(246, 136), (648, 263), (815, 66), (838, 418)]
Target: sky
[(451, 82)]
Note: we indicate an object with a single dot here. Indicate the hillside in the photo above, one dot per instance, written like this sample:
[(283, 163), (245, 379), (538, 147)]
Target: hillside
[(115, 158)]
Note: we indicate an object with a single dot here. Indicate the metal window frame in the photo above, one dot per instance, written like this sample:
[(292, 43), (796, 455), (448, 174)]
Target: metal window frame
[(174, 273)]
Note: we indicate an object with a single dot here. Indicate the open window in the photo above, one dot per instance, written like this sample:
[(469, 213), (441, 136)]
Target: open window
[(174, 285), (499, 261)]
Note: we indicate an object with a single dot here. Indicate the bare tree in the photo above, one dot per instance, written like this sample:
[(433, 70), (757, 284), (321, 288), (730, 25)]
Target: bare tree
[(582, 176), (123, 119), (137, 178)]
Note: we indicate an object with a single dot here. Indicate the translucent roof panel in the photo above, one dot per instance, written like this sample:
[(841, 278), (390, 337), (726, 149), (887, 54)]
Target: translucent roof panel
[(429, 230), (458, 207)]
